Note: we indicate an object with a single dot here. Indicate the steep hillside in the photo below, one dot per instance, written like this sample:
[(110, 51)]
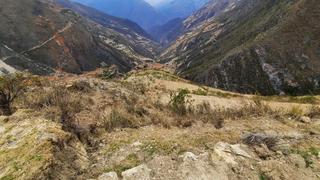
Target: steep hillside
[(136, 10), (144, 126), (268, 46), (183, 25), (42, 36), (140, 40)]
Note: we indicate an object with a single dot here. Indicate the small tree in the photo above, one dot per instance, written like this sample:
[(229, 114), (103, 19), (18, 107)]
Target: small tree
[(11, 87)]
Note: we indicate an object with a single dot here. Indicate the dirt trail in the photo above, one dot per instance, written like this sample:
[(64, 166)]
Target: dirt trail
[(22, 53)]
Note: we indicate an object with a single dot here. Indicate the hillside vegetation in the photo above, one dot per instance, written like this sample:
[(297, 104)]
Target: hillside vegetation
[(154, 125)]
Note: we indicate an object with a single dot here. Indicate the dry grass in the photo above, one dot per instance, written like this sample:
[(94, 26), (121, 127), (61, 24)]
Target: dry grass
[(259, 139), (314, 112), (295, 112), (81, 86), (61, 105), (118, 119)]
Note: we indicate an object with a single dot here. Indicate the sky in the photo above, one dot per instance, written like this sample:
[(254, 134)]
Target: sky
[(155, 2)]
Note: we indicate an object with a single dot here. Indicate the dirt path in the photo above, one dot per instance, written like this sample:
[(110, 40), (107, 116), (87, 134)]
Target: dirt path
[(18, 54)]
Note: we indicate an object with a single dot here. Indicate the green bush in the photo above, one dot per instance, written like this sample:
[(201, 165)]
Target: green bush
[(179, 101)]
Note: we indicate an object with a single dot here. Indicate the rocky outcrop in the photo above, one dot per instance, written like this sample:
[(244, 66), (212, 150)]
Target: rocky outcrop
[(40, 149)]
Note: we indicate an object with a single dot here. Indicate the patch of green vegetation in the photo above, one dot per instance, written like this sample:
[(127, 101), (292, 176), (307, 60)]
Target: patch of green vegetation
[(7, 177), (307, 155), (200, 92), (16, 166), (131, 161), (161, 147), (293, 99), (108, 73), (263, 177), (159, 75), (223, 94), (37, 158), (114, 146), (179, 101)]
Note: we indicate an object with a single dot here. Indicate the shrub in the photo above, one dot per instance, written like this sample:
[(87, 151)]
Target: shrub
[(258, 139), (59, 98), (137, 86), (116, 119), (206, 114), (81, 86), (132, 105), (110, 72), (11, 87), (179, 101)]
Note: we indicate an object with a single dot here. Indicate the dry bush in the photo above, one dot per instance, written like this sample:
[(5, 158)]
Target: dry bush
[(132, 105), (59, 102), (259, 139), (118, 119), (61, 105), (136, 86), (251, 110), (81, 86), (12, 86), (314, 112), (206, 114), (217, 115)]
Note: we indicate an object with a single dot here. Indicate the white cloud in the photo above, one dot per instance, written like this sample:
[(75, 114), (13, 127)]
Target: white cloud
[(155, 2)]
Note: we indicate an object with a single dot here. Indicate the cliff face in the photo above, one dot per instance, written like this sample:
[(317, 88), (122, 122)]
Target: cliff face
[(43, 36), (252, 46)]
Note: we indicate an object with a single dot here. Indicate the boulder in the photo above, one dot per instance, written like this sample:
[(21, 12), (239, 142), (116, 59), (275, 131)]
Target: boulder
[(141, 172), (230, 152), (305, 119), (200, 167)]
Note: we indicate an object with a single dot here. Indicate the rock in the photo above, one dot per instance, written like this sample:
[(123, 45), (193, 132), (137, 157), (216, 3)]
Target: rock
[(297, 160), (141, 172), (189, 156), (305, 119), (108, 176), (201, 167), (136, 144), (2, 129), (230, 152)]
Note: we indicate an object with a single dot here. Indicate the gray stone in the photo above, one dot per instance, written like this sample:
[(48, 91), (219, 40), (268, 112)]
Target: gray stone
[(108, 176), (305, 119), (141, 172)]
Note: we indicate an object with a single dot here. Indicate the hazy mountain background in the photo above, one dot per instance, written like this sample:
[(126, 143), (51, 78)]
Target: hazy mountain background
[(172, 9)]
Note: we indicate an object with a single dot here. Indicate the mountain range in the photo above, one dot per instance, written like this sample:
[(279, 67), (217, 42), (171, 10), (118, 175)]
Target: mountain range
[(43, 36), (248, 46), (147, 16)]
